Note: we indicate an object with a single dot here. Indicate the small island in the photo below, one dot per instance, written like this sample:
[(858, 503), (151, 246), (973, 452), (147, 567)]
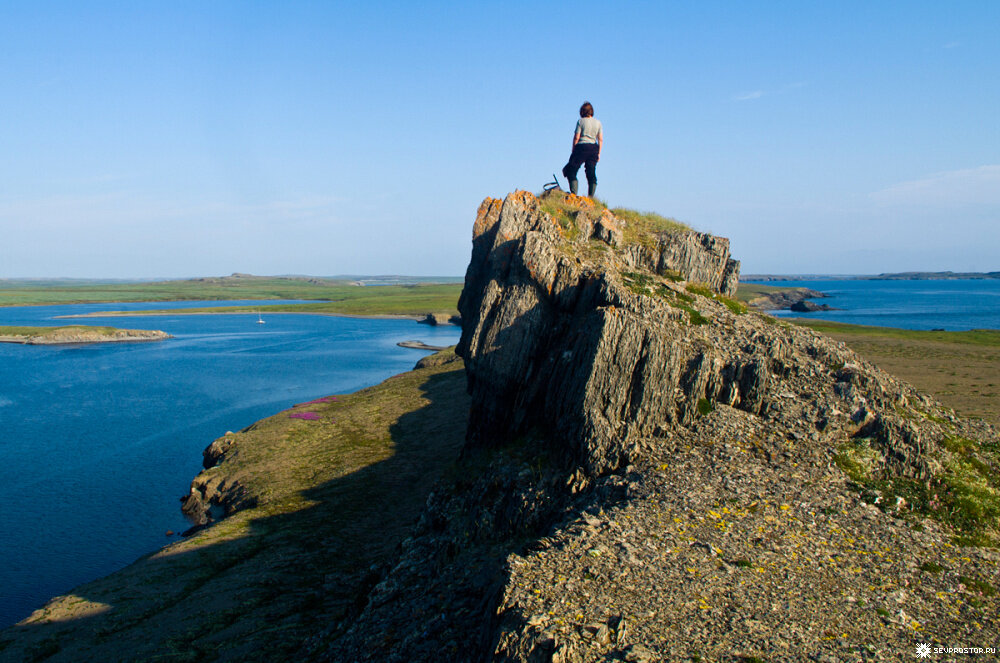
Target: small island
[(77, 334)]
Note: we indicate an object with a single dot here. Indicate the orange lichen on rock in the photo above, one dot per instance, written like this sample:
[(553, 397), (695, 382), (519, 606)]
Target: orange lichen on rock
[(523, 198), (487, 216), (578, 201)]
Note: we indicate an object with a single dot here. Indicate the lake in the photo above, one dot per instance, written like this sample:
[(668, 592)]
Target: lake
[(953, 305), (98, 443)]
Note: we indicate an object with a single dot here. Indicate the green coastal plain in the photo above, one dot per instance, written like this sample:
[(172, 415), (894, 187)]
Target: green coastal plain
[(344, 297), (961, 369)]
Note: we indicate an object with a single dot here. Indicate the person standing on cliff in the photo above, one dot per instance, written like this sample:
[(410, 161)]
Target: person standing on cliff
[(588, 138)]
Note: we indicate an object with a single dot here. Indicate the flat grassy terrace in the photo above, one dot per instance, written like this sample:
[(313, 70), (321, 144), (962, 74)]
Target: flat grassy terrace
[(337, 297), (960, 369)]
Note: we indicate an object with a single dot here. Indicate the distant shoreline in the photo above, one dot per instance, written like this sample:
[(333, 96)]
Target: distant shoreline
[(421, 318), (889, 276)]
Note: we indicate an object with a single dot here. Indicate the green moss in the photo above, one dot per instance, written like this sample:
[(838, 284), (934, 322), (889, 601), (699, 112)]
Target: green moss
[(857, 459), (703, 290), (705, 406), (974, 498), (671, 275), (882, 612), (738, 308), (978, 585), (931, 567), (743, 563), (637, 282), (694, 317), (700, 289), (965, 495), (959, 445)]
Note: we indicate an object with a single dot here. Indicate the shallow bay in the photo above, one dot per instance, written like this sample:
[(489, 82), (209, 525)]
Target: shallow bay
[(952, 305), (98, 442)]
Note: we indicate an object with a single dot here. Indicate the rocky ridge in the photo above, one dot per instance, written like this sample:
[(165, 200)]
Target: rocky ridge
[(652, 473)]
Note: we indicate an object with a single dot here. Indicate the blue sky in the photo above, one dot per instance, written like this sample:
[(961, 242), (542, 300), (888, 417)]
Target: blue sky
[(172, 139)]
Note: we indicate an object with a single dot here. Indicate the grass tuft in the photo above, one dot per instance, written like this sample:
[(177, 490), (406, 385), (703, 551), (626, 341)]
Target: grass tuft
[(965, 495)]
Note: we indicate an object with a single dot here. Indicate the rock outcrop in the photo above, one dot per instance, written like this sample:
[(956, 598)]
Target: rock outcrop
[(783, 298), (653, 473), (650, 472)]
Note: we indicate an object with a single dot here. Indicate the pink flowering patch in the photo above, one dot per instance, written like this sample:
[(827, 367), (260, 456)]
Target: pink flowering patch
[(325, 399), (308, 416)]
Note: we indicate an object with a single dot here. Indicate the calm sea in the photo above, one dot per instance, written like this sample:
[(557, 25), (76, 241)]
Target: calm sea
[(99, 442), (952, 305)]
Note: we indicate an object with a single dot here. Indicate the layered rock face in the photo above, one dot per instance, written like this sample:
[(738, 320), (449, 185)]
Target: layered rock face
[(584, 339), (652, 473)]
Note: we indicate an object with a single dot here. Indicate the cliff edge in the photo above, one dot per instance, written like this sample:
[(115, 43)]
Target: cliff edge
[(652, 473)]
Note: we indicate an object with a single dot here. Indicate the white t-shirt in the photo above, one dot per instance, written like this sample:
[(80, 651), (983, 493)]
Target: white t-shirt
[(589, 130)]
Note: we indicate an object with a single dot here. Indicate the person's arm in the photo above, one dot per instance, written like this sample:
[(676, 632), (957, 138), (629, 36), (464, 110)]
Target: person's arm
[(576, 138), (600, 143)]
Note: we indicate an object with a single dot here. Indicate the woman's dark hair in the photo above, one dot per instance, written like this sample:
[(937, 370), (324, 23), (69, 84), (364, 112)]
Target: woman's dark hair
[(586, 110)]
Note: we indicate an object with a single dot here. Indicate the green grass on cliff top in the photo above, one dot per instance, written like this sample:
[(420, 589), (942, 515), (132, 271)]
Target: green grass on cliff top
[(639, 226)]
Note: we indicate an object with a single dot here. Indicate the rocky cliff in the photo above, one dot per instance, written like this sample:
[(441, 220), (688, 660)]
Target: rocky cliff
[(653, 473), (649, 473)]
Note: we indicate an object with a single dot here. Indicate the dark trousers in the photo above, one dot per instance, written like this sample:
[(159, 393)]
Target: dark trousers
[(585, 154)]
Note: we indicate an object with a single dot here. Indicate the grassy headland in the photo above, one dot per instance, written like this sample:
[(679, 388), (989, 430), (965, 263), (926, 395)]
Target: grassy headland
[(75, 334), (337, 485)]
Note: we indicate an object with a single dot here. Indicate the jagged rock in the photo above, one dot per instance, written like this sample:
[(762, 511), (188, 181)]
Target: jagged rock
[(562, 338), (436, 319), (806, 306), (649, 472)]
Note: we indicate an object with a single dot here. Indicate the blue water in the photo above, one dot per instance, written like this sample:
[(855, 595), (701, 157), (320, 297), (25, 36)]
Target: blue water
[(952, 305), (99, 442)]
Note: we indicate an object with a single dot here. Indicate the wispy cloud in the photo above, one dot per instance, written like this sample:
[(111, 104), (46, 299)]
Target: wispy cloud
[(747, 96), (952, 44), (969, 186), (757, 94)]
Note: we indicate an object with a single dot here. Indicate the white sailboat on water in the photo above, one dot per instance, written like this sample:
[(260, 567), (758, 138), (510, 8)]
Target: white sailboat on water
[(260, 319)]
